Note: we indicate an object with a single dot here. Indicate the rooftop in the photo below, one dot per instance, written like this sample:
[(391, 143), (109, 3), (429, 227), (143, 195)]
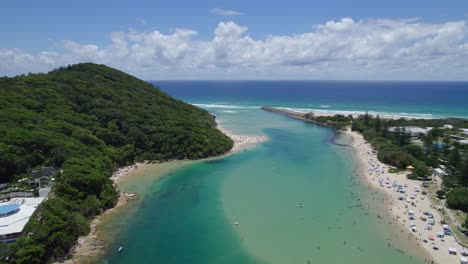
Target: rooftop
[(410, 129), (15, 223)]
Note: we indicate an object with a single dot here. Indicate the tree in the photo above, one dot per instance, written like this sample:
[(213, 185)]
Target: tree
[(420, 170), (91, 206), (402, 137), (366, 119), (30, 254), (414, 150), (454, 161), (457, 198), (5, 251), (377, 123), (428, 140), (464, 172)]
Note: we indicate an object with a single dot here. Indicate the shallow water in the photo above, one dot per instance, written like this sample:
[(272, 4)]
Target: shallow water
[(189, 216)]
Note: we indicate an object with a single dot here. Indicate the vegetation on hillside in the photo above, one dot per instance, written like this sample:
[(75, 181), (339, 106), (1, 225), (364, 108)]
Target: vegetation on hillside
[(87, 120)]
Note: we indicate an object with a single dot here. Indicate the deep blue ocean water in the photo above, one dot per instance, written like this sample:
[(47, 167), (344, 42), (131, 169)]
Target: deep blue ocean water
[(413, 99)]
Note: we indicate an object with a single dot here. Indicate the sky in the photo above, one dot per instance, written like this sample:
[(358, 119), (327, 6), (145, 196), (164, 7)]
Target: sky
[(232, 40)]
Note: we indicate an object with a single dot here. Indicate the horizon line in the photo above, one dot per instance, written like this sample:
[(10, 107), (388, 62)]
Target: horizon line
[(294, 80)]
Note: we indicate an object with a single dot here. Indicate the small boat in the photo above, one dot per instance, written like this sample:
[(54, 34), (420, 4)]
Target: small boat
[(237, 222), (300, 205), (120, 249)]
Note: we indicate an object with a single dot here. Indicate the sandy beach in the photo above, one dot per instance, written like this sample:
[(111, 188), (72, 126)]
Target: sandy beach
[(93, 245), (241, 142), (411, 204)]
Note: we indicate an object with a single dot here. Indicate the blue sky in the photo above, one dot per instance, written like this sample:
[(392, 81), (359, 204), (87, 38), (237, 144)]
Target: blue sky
[(44, 34)]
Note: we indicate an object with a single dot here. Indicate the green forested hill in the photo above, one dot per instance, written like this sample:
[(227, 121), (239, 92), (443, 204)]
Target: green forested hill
[(88, 119)]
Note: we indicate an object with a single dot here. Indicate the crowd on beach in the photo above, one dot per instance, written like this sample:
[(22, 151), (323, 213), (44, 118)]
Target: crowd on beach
[(411, 209)]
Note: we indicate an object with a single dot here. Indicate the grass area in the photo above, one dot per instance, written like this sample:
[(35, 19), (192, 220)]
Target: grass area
[(460, 216), (394, 170)]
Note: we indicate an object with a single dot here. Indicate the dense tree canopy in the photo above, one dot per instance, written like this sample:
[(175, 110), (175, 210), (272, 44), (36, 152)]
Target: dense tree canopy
[(88, 119), (457, 198)]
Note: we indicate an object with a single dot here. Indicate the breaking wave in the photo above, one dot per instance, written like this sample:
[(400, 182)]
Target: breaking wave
[(351, 112), (224, 106)]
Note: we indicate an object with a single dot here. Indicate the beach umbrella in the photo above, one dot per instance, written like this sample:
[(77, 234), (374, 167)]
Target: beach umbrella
[(431, 237)]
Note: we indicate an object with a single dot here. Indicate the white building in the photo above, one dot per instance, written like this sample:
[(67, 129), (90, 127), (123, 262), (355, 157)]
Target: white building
[(413, 130), (439, 172), (14, 215)]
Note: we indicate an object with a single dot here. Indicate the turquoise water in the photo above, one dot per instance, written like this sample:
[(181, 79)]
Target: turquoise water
[(189, 216)]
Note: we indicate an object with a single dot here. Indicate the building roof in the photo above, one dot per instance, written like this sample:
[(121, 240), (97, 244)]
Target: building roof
[(15, 223), (439, 171), (410, 129), (463, 141)]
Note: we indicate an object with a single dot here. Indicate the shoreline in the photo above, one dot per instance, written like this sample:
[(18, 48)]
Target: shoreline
[(377, 176), (94, 245), (241, 142)]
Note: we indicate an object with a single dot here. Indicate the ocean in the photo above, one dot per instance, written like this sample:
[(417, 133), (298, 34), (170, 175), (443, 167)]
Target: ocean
[(410, 99), (189, 216)]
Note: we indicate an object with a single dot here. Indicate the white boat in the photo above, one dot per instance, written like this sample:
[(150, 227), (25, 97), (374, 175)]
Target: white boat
[(237, 222), (120, 249)]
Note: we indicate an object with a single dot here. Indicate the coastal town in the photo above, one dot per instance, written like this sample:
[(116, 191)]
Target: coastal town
[(418, 204)]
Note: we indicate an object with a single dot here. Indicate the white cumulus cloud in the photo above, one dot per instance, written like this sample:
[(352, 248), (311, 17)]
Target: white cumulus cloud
[(225, 12), (343, 49)]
